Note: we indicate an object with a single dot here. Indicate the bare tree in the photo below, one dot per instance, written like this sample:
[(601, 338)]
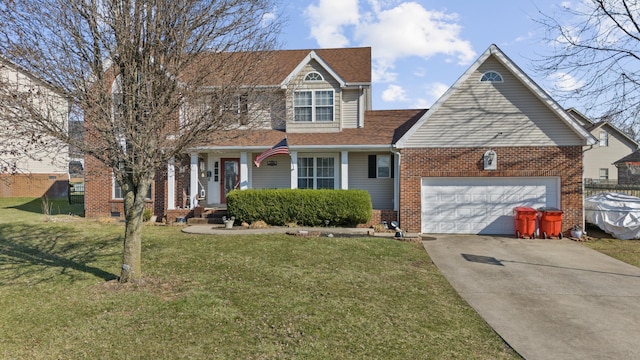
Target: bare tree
[(596, 45), (151, 78)]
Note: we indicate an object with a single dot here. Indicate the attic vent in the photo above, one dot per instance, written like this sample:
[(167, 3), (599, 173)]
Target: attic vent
[(313, 76), (491, 76)]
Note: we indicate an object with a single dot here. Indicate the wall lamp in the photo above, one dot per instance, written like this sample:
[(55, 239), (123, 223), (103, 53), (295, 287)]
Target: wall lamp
[(490, 160)]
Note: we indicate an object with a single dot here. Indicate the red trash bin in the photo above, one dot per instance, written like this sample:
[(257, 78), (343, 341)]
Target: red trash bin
[(550, 222), (525, 221)]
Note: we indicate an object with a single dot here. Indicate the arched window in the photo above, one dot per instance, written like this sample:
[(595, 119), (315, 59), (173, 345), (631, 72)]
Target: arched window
[(491, 76), (313, 76)]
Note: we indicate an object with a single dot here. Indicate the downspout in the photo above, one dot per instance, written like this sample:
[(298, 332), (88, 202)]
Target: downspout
[(584, 212), (396, 184), (360, 112)]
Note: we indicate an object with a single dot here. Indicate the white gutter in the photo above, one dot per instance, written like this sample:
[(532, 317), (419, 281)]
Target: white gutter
[(293, 148)]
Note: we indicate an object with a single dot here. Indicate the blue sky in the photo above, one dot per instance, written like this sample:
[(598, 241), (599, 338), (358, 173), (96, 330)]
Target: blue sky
[(421, 47)]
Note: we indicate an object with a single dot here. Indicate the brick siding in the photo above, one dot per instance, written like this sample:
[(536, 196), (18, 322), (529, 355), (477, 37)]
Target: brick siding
[(564, 162), (98, 200), (378, 216), (34, 185)]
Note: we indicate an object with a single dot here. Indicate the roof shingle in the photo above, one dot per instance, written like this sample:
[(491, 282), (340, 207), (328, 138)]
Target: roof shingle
[(381, 127)]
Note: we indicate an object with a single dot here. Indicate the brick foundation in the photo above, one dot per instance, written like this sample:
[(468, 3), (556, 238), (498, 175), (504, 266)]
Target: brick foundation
[(379, 216)]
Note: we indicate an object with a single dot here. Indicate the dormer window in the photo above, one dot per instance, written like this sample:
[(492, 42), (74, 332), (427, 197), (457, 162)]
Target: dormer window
[(313, 76), (491, 76), (313, 106)]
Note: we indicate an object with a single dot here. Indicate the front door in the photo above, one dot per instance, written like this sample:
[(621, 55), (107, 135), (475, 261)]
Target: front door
[(230, 177)]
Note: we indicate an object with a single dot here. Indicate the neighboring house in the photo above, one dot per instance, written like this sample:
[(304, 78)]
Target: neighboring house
[(32, 170), (612, 145), (628, 169), (494, 141)]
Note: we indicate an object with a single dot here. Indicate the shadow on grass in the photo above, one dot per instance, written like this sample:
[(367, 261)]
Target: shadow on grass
[(40, 254), (56, 207)]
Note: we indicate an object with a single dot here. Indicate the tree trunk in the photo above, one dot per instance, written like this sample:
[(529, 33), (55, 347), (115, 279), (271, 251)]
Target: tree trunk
[(134, 201)]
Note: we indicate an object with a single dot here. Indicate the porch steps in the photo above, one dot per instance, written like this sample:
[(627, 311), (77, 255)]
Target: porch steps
[(207, 216)]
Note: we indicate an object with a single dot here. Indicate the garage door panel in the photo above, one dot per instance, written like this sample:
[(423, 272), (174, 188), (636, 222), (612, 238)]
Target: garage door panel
[(482, 205)]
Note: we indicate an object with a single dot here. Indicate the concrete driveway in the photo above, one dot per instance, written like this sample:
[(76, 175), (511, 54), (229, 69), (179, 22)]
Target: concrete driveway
[(548, 299)]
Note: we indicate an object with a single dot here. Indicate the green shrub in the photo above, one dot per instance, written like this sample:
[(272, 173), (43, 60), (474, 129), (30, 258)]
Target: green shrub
[(146, 215), (304, 207)]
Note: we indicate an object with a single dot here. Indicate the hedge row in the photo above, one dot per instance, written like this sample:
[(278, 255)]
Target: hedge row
[(303, 207)]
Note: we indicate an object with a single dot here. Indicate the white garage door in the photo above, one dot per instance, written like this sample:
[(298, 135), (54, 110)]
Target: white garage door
[(482, 205)]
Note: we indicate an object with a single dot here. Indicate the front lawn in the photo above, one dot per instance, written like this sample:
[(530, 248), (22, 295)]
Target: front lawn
[(215, 297)]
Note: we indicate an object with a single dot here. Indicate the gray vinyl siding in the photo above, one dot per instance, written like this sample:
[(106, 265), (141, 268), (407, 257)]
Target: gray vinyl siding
[(598, 157), (272, 177), (350, 108), (381, 190), (266, 111), (298, 84), (493, 114)]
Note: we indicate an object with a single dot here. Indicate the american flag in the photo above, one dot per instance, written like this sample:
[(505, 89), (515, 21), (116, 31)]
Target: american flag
[(279, 148)]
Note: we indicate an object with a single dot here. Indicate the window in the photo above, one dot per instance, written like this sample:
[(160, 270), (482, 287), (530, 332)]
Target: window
[(604, 138), (380, 166), (313, 76), (118, 193), (313, 105), (491, 76), (316, 173), (604, 174), (237, 104)]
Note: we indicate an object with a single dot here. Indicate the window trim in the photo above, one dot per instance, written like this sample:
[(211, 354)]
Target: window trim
[(114, 183), (378, 158), (604, 134), (373, 169), (487, 77), (315, 157), (600, 172), (314, 106), (310, 73)]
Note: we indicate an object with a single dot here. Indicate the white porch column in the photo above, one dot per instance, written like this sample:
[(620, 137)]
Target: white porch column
[(244, 171), (294, 169), (344, 171), (171, 185), (193, 183)]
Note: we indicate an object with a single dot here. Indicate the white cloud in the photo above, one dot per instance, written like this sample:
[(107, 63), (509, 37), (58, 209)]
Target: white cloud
[(436, 90), (422, 103), (328, 19), (565, 82), (382, 72), (268, 18), (433, 92), (420, 72), (395, 30), (570, 35), (394, 93), (409, 29)]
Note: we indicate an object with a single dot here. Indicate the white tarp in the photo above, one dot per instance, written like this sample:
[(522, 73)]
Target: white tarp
[(616, 214)]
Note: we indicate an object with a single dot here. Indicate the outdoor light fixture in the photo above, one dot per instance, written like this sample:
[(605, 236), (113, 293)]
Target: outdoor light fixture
[(490, 160)]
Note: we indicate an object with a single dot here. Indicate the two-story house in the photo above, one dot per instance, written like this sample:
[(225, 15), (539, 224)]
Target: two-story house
[(334, 140), (495, 140), (612, 146), (31, 168)]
